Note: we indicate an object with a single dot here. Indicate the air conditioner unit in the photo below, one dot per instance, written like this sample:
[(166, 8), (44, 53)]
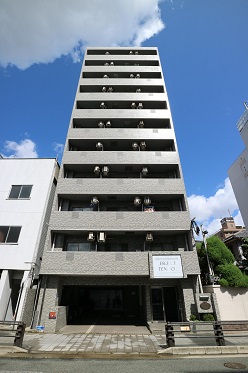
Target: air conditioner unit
[(131, 76), (104, 89), (91, 236), (101, 237), (149, 237), (105, 170), (97, 170), (142, 145), (131, 52), (107, 52), (133, 105), (106, 64), (105, 76), (147, 201), (111, 63), (140, 105), (136, 52), (101, 124), (137, 201), (137, 76), (108, 124)]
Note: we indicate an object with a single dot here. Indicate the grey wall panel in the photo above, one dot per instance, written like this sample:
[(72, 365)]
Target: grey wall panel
[(121, 113), (121, 186), (168, 221), (121, 133), (121, 96), (121, 157)]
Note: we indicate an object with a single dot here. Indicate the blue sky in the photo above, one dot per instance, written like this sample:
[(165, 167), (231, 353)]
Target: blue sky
[(203, 46)]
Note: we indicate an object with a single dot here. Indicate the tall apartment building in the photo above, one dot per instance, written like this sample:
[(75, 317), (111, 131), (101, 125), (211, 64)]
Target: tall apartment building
[(238, 172), (119, 246), (27, 188)]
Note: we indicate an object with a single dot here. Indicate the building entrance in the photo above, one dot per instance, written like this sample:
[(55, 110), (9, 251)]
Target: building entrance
[(103, 305), (165, 304)]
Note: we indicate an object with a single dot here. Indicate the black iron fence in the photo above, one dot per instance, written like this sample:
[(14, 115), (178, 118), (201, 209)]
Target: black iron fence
[(12, 332), (212, 331)]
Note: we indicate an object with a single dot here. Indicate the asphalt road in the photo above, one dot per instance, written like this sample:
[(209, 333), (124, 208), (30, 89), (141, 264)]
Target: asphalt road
[(162, 365)]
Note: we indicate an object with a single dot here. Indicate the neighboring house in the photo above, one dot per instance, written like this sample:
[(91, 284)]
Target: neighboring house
[(238, 172), (234, 242), (228, 228), (119, 245), (27, 188)]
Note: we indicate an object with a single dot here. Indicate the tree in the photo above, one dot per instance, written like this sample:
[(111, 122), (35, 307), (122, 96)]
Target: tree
[(222, 262)]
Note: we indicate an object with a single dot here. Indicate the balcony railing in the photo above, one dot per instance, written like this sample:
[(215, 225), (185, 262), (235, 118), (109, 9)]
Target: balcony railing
[(243, 120)]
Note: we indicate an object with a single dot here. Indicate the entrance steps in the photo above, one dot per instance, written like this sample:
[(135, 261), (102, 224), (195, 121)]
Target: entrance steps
[(157, 327)]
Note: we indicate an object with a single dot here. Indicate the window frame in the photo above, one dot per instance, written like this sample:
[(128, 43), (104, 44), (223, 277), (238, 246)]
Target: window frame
[(9, 233), (21, 187)]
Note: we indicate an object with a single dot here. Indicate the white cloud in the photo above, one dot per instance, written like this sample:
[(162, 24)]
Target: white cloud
[(24, 149), (41, 31), (58, 147), (210, 210)]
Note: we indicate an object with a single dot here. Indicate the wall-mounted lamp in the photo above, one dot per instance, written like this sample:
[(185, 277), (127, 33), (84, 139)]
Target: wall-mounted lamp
[(147, 201), (149, 237), (101, 237), (99, 146), (137, 201), (141, 124), (97, 170), (143, 145), (91, 236), (105, 170), (144, 171)]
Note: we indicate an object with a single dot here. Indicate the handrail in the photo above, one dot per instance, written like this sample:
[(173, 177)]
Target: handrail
[(13, 329), (203, 329)]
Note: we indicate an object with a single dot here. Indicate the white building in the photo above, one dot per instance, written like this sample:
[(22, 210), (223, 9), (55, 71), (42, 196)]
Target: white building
[(238, 172), (27, 188)]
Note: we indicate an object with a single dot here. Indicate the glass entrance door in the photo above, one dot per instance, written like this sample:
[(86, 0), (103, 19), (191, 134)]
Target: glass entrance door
[(158, 304)]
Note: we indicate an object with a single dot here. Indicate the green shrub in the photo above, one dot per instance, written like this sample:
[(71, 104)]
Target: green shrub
[(208, 317), (218, 253), (193, 318), (231, 276)]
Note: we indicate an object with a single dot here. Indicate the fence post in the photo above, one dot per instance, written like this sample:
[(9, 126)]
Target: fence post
[(170, 340), (20, 330), (218, 332)]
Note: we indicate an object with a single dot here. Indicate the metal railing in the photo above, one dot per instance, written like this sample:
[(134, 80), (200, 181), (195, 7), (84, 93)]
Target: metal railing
[(213, 330), (243, 120), (12, 330)]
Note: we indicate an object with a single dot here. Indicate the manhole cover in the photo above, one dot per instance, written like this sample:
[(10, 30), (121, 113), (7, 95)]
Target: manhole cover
[(235, 365)]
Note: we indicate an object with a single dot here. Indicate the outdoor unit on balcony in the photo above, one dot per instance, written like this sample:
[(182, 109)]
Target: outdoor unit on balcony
[(91, 236)]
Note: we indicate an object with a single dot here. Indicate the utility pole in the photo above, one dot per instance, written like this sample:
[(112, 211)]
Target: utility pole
[(210, 271)]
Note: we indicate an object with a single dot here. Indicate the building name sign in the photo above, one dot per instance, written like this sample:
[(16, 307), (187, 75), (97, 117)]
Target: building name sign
[(167, 266)]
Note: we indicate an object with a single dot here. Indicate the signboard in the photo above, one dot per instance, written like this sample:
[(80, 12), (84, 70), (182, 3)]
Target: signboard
[(167, 266), (40, 327), (52, 315)]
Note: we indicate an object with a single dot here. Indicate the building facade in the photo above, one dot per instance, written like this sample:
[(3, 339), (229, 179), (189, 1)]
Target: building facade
[(238, 172), (228, 228), (27, 188), (119, 245)]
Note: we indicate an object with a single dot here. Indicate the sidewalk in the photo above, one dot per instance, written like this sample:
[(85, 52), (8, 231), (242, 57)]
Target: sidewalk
[(122, 344)]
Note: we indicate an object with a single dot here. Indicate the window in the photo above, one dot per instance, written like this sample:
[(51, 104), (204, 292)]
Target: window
[(80, 246), (9, 234), (20, 191)]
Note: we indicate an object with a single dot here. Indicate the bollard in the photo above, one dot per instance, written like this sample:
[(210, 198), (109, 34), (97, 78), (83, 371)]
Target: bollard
[(170, 340), (19, 334), (218, 332)]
